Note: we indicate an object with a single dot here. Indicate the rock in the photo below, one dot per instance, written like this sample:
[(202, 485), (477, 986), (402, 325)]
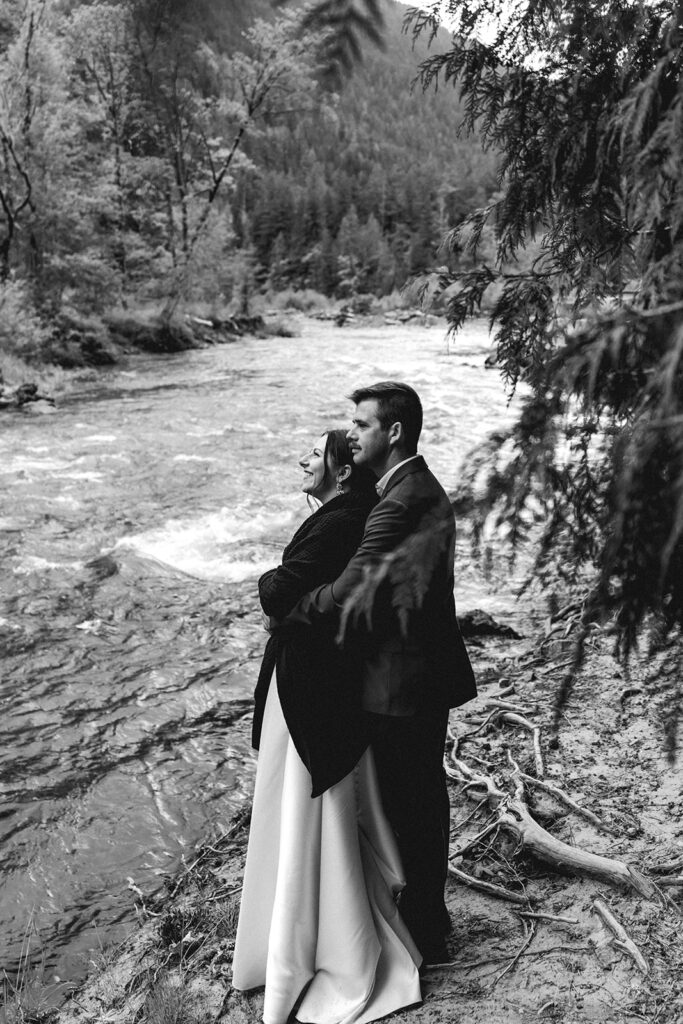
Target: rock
[(344, 316), (480, 623), (41, 407), (23, 396)]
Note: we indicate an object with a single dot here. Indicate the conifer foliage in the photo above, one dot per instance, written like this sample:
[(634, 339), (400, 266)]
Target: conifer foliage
[(584, 100)]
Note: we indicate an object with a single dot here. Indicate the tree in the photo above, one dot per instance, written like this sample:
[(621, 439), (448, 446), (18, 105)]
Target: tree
[(343, 25), (583, 100), (205, 135), (100, 37), (50, 189)]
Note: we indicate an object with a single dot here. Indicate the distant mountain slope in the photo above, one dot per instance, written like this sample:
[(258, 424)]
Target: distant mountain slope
[(359, 196)]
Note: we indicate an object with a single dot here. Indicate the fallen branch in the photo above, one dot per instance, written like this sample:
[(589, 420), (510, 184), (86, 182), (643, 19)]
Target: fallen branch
[(481, 761), (513, 815), (488, 887), (664, 867), (522, 949), (505, 705), (671, 880), (548, 917), (471, 964), (460, 824), (559, 794), (475, 841), (630, 691), (506, 691), (622, 940), (514, 719)]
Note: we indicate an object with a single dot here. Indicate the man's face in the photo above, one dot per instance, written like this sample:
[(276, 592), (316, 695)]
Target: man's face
[(369, 441)]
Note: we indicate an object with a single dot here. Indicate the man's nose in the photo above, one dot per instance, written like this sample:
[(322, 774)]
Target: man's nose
[(350, 434)]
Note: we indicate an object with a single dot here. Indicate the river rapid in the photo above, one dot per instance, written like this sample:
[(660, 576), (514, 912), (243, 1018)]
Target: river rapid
[(134, 523)]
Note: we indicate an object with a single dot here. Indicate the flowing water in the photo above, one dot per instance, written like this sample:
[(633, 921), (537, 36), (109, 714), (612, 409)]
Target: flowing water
[(134, 522)]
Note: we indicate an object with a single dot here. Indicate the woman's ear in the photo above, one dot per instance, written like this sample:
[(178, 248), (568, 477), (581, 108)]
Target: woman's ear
[(343, 473)]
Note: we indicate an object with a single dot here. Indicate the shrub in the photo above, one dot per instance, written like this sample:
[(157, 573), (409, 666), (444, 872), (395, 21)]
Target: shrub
[(22, 332), (304, 300)]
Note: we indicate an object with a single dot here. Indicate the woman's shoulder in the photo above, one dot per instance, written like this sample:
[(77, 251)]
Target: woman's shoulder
[(343, 508), (351, 505)]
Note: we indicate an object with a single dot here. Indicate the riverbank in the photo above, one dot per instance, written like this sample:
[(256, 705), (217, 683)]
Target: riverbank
[(37, 374), (536, 946)]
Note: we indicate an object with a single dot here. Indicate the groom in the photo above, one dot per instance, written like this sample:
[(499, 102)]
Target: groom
[(415, 666)]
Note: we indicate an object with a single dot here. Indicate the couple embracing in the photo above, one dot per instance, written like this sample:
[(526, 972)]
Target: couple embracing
[(343, 895)]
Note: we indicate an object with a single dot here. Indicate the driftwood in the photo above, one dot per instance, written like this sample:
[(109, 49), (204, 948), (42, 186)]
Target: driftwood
[(560, 795), (513, 816), (667, 866), (549, 917), (499, 714), (469, 965), (529, 932), (496, 703), (513, 719), (622, 940), (490, 888)]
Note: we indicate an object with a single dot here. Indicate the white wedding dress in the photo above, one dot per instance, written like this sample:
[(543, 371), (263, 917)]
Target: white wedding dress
[(318, 910)]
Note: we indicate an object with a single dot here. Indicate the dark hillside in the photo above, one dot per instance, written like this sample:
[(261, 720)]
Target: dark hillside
[(358, 196)]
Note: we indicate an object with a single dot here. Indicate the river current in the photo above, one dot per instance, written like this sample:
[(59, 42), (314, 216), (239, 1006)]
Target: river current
[(134, 523)]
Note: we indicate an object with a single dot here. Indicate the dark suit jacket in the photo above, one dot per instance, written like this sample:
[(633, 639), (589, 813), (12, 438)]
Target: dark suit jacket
[(421, 664), (318, 683)]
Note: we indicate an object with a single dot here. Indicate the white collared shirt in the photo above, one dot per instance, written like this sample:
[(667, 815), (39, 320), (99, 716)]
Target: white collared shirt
[(381, 484)]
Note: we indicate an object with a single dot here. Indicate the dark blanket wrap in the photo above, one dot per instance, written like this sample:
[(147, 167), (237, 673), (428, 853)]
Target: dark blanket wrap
[(318, 683)]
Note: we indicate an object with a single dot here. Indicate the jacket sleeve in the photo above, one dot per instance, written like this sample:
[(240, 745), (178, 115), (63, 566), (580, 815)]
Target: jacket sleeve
[(388, 525), (281, 588), (318, 557)]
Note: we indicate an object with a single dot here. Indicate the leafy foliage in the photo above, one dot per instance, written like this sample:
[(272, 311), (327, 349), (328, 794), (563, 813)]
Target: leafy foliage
[(584, 101), (344, 25), (169, 151)]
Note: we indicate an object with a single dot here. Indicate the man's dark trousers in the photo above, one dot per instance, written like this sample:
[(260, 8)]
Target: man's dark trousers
[(408, 754)]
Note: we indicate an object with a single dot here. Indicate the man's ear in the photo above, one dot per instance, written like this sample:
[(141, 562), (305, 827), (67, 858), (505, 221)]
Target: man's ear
[(396, 433)]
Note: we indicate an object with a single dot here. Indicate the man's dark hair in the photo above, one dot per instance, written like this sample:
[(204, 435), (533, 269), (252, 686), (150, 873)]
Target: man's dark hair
[(396, 403)]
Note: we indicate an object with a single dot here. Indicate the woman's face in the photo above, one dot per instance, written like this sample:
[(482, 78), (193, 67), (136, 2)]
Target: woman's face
[(313, 465)]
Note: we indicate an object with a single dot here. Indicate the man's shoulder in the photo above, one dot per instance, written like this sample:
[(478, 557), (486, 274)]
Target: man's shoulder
[(416, 484)]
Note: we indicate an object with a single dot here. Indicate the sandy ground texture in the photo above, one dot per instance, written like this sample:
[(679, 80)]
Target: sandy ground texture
[(506, 965)]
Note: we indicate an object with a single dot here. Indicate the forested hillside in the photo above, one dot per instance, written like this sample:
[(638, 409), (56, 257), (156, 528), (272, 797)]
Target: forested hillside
[(357, 196), (172, 152)]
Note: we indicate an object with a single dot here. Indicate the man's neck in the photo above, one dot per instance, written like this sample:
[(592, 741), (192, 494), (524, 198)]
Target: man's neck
[(393, 459)]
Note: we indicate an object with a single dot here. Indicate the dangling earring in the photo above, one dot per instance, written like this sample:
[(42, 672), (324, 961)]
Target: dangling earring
[(340, 488)]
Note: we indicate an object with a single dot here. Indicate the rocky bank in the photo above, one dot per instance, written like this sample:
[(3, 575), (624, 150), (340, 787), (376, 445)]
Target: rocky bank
[(530, 942)]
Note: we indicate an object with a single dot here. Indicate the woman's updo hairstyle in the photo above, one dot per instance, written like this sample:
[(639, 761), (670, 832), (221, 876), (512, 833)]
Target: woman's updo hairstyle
[(361, 481)]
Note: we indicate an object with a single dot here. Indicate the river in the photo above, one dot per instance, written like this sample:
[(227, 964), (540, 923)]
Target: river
[(134, 522)]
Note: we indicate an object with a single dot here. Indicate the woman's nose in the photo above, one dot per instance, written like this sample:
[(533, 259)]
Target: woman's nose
[(303, 461)]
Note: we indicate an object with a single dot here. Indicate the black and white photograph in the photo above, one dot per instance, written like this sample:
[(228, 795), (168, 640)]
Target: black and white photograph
[(341, 511)]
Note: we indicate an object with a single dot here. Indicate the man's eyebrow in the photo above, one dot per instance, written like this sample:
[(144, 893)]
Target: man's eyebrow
[(359, 422)]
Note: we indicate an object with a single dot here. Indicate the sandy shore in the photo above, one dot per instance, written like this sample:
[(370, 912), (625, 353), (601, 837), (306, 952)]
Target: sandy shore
[(505, 967)]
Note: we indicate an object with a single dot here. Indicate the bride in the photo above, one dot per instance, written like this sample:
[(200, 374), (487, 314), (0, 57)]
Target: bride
[(319, 925)]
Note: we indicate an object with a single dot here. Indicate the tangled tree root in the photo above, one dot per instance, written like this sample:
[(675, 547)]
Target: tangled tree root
[(510, 813)]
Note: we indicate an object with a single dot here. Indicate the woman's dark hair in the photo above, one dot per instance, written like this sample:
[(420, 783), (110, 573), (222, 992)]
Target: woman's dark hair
[(361, 481)]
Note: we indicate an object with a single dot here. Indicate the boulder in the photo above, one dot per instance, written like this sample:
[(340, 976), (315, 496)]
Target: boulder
[(480, 623)]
